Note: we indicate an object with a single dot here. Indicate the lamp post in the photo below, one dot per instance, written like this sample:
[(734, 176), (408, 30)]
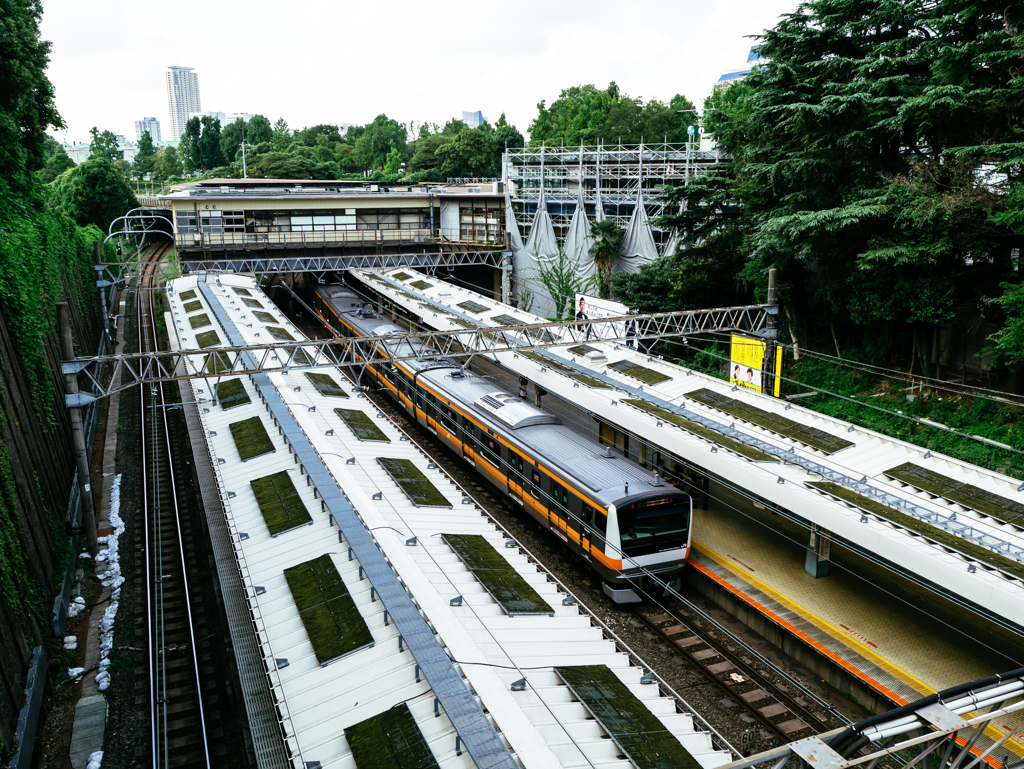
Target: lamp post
[(245, 175)]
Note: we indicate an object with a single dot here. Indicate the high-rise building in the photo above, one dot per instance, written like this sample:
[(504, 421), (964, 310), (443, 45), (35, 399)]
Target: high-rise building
[(182, 97), (473, 119), (150, 124)]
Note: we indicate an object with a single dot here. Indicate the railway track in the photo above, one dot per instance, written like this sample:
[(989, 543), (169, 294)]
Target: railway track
[(178, 729)]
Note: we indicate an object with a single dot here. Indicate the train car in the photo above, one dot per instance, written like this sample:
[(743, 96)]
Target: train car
[(623, 522)]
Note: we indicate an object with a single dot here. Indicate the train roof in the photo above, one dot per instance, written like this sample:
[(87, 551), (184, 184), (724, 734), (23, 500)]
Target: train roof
[(606, 474)]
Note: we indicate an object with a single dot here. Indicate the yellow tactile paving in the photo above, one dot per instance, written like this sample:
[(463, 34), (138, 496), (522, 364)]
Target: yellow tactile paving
[(921, 652)]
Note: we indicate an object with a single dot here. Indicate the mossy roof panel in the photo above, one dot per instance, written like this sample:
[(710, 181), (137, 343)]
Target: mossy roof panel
[(582, 349), (499, 578), (561, 368), (297, 356), (193, 306), (642, 736), (811, 436), (925, 529), (325, 384), (389, 740), (422, 285), (207, 339), (280, 334), (241, 291), (471, 306), (253, 303), (232, 393), (186, 295), (733, 445), (217, 362), (362, 426), (965, 494), (279, 502), (401, 276), (332, 621), (413, 483), (251, 438), (198, 321), (506, 320), (264, 317), (636, 371)]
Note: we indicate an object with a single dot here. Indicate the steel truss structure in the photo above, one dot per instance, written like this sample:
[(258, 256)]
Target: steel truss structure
[(619, 172), (959, 728), (146, 368), (318, 265)]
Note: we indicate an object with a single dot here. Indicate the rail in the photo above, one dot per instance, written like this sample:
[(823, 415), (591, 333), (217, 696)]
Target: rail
[(486, 236)]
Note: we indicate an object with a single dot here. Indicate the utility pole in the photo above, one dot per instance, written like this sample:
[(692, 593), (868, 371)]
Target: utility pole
[(770, 374), (102, 285), (244, 174), (77, 429)]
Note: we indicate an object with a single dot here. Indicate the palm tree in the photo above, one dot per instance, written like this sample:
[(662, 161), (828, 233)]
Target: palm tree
[(607, 242)]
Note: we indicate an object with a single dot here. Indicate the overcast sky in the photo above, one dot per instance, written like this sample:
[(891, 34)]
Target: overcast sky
[(314, 61)]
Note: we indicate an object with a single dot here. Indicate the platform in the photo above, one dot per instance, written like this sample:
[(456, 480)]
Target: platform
[(895, 648)]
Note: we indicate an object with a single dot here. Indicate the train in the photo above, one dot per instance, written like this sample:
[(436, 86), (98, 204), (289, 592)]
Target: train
[(629, 526)]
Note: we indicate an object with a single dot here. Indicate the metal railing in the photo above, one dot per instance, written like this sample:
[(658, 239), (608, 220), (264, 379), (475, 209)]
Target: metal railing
[(469, 234)]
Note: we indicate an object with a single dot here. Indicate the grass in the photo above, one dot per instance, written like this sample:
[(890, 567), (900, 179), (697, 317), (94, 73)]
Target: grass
[(361, 425), (266, 317), (974, 416), (325, 385), (506, 585), (279, 502), (251, 438), (253, 304), (422, 285), (942, 537), (810, 436), (636, 371), (389, 740), (198, 321), (965, 494), (232, 393), (641, 735), (207, 339), (733, 445), (413, 483), (280, 334), (193, 306), (332, 621), (241, 291), (217, 362), (471, 306), (186, 295)]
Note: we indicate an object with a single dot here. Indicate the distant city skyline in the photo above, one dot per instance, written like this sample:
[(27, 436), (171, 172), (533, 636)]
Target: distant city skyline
[(148, 124), (107, 68)]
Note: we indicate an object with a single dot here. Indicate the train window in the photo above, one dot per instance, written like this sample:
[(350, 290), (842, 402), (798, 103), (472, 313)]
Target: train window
[(601, 522), (490, 449), (448, 419), (588, 515)]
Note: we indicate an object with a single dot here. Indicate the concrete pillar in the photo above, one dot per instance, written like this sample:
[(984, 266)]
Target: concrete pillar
[(818, 551)]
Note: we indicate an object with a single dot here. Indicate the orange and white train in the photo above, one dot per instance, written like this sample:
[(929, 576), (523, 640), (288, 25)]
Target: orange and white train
[(628, 525)]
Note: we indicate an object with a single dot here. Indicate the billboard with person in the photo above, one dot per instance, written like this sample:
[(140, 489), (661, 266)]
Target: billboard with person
[(746, 363), (593, 308)]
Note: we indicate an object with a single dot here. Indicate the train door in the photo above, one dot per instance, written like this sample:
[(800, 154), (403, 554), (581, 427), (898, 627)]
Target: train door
[(430, 411), (558, 504), (469, 443), (515, 476), (586, 530)]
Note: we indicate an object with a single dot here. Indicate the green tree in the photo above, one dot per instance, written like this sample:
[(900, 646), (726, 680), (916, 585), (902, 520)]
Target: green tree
[(607, 244), (258, 130), (167, 163), (145, 156), (573, 117), (281, 165), (375, 140), (506, 136), (470, 153), (454, 127), (188, 146), (231, 137), (210, 155), (562, 280), (393, 163), (57, 161), (94, 192), (424, 157), (26, 95), (282, 136), (311, 136), (104, 145)]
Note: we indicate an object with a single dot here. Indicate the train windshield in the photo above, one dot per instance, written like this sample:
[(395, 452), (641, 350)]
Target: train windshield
[(654, 525)]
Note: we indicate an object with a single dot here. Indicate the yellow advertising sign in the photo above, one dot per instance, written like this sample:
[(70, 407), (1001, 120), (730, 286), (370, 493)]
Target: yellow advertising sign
[(746, 366)]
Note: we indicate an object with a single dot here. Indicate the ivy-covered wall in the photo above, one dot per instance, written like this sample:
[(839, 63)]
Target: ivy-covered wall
[(45, 258)]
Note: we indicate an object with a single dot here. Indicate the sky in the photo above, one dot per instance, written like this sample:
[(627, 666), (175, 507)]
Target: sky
[(323, 61)]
